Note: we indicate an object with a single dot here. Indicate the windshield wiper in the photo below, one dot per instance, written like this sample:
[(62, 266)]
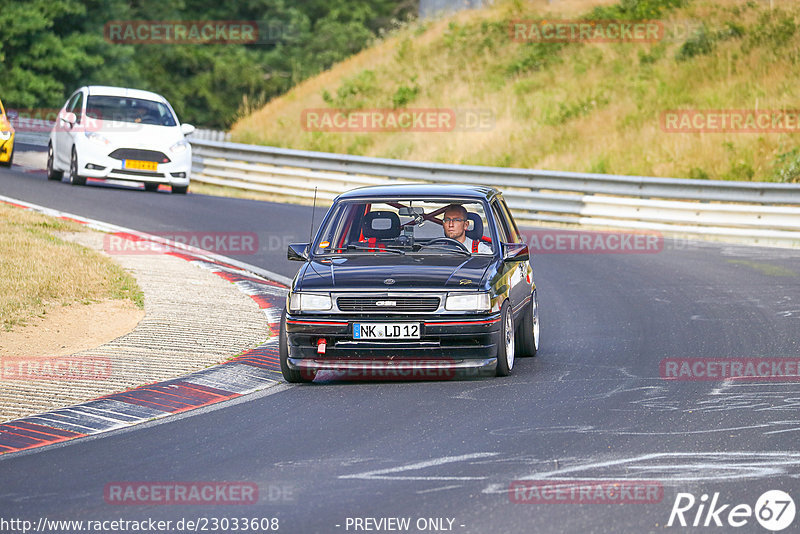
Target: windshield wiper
[(374, 248)]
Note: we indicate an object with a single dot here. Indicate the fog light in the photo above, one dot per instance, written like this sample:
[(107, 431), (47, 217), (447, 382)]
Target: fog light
[(178, 174), (93, 167)]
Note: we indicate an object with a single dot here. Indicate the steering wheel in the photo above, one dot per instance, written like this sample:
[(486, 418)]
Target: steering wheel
[(447, 241)]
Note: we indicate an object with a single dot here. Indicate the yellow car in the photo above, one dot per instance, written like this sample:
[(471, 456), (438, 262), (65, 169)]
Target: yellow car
[(6, 139)]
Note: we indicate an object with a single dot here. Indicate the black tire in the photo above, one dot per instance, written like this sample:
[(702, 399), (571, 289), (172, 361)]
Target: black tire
[(52, 173), (148, 186), (180, 189), (290, 375), (74, 177), (506, 345), (528, 329)]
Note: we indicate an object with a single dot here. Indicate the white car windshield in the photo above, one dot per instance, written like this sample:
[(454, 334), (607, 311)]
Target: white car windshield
[(126, 109)]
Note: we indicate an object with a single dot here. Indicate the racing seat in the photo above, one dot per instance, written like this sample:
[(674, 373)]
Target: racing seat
[(476, 232), (383, 225)]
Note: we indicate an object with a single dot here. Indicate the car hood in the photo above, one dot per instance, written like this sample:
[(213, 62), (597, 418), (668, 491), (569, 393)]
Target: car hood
[(370, 272), (145, 136), (141, 135)]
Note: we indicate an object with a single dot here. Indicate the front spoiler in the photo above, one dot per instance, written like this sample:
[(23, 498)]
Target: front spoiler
[(398, 368)]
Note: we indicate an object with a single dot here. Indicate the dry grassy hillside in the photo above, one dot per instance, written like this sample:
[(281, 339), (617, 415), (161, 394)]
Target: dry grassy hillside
[(580, 106)]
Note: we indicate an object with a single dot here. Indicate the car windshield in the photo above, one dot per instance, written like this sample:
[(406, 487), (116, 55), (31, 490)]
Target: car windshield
[(126, 109), (406, 226)]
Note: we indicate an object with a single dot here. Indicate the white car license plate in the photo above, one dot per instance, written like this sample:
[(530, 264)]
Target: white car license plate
[(385, 330), (140, 165)]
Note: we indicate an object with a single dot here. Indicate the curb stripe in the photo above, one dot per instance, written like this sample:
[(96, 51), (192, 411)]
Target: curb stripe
[(254, 370)]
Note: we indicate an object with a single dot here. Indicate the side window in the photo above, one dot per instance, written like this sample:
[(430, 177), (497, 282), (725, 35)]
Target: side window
[(71, 102), (76, 106), (502, 227), (513, 232)]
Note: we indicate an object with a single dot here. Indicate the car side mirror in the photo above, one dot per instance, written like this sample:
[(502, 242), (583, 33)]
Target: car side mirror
[(297, 252), (70, 118), (515, 251), (187, 129)]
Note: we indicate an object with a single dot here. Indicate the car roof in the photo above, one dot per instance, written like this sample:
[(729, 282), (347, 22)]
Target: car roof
[(106, 90), (421, 190)]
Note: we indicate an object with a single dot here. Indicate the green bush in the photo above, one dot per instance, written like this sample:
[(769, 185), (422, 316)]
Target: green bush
[(534, 57), (635, 9), (700, 43), (404, 95), (696, 173), (787, 166), (740, 171), (354, 92)]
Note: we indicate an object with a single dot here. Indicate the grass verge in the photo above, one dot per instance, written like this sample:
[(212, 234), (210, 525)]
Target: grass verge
[(39, 270)]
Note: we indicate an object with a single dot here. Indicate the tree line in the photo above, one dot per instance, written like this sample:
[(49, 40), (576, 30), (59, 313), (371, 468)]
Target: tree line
[(211, 74)]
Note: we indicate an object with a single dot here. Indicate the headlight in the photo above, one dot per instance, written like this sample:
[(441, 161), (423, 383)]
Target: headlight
[(468, 302), (96, 137), (5, 135), (309, 302), (179, 147)]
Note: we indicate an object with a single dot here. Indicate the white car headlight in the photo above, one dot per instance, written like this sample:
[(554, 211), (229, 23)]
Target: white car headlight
[(309, 302), (5, 135), (179, 147), (468, 302), (97, 138)]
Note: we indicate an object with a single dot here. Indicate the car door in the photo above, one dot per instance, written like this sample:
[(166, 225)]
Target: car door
[(64, 132), (515, 271)]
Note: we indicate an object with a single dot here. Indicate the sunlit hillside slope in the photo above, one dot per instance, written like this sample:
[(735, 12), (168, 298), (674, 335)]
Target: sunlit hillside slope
[(579, 106)]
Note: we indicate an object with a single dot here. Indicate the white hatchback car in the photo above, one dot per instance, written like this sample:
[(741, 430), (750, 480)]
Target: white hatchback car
[(120, 134)]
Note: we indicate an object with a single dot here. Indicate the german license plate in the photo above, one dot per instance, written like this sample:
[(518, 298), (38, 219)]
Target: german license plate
[(385, 330), (140, 165)]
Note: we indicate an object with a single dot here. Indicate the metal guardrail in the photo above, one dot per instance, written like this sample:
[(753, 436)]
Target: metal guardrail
[(756, 212), (204, 134)]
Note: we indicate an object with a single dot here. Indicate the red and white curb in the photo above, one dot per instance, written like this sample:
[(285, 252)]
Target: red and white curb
[(254, 370)]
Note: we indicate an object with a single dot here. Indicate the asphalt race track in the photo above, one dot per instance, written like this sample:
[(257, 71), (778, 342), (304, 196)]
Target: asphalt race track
[(347, 456)]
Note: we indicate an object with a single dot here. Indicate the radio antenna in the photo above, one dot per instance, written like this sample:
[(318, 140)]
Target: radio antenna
[(313, 208)]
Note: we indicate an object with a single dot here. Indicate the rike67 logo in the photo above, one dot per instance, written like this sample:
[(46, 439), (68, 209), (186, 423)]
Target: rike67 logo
[(774, 510)]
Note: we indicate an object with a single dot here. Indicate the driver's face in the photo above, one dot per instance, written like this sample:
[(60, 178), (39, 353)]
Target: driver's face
[(453, 228)]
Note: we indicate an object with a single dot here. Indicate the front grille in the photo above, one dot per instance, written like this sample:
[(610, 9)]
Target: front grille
[(140, 154), (379, 304), (148, 174)]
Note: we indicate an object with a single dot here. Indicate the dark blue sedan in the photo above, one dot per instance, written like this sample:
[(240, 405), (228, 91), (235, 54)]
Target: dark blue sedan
[(414, 282)]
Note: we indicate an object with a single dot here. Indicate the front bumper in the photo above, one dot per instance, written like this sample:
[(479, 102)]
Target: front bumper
[(94, 162), (453, 343), (6, 148)]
